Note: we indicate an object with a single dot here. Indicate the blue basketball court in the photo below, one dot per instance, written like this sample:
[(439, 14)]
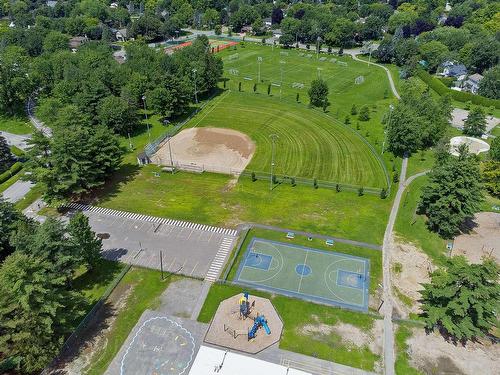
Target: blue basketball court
[(316, 275)]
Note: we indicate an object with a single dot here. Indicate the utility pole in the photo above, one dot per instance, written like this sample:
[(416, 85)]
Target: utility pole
[(259, 61), (146, 115), (317, 47), (195, 93), (273, 140)]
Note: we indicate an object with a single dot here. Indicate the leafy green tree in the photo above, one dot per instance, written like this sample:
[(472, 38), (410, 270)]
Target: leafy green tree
[(15, 82), (354, 110), (434, 52), (36, 310), (6, 158), (318, 93), (462, 298), (148, 26), (495, 149), (81, 157), (364, 113), (117, 115), (489, 86), (9, 216), (55, 41), (84, 240), (490, 172), (475, 123), (342, 33), (453, 193)]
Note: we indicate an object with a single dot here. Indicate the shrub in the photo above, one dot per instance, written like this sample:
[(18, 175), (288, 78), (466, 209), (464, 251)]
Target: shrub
[(364, 113), (254, 178), (315, 183), (13, 170), (361, 191), (383, 193), (292, 182)]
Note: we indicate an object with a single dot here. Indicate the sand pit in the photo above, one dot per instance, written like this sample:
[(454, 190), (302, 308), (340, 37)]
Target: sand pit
[(483, 239), (475, 145), (207, 149)]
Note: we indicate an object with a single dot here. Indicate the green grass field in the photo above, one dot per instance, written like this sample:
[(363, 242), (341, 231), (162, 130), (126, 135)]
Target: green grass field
[(217, 199), (295, 315), (311, 144), (15, 125)]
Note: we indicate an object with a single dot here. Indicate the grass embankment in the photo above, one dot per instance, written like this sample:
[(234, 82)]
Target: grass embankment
[(412, 227), (295, 315), (374, 256), (144, 287)]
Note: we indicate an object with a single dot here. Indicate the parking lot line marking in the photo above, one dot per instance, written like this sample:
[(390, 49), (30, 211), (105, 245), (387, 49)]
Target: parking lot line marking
[(171, 264), (192, 271)]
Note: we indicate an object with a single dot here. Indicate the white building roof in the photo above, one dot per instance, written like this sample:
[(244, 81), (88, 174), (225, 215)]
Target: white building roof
[(215, 361)]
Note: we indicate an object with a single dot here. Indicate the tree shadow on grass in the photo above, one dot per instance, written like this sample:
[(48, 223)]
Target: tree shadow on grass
[(112, 187)]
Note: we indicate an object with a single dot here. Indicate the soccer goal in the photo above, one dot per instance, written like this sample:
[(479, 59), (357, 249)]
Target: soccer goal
[(297, 85), (359, 80), (234, 56), (234, 72)]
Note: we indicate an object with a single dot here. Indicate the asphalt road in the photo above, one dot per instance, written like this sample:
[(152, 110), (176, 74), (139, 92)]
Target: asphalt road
[(16, 139), (17, 191)]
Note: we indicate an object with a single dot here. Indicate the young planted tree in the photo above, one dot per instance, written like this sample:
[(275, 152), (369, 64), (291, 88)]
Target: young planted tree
[(453, 193), (318, 93), (354, 110), (6, 158), (462, 298), (490, 173), (475, 123), (364, 113), (84, 240)]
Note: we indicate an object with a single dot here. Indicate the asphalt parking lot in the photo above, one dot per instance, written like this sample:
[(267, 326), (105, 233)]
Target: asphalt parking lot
[(186, 248)]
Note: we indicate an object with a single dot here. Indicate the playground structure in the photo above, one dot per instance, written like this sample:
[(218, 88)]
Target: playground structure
[(238, 324)]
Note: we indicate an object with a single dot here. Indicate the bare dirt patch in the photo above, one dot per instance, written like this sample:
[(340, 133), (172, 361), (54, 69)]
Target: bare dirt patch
[(210, 149), (410, 268), (433, 355), (483, 239), (350, 335)]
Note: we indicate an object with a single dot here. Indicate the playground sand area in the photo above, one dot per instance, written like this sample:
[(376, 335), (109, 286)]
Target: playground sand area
[(482, 241), (230, 331), (208, 149)]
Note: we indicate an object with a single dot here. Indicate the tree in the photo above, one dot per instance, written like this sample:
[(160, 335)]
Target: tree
[(489, 86), (36, 310), (475, 123), (354, 110), (15, 82), (6, 158), (434, 52), (318, 93), (9, 216), (81, 157), (84, 240), (453, 193), (148, 26), (277, 16), (495, 149), (117, 115), (342, 33), (55, 41), (364, 113), (490, 172), (258, 26), (462, 298)]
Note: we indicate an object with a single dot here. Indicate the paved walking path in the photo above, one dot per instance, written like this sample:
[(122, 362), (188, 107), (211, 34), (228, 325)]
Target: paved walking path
[(17, 191), (17, 140), (389, 76), (30, 107)]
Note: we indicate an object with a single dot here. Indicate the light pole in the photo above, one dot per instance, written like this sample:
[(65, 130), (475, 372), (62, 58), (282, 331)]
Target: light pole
[(281, 76), (273, 141), (195, 93), (391, 108), (319, 72), (259, 61), (317, 47), (146, 115)]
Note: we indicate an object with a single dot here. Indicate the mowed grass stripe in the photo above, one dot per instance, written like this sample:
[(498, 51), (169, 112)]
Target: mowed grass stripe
[(311, 145)]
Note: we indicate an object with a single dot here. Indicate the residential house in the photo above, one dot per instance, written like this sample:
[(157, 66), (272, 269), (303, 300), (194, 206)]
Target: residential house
[(51, 3), (76, 42), (268, 22), (121, 35), (453, 69), (471, 84)]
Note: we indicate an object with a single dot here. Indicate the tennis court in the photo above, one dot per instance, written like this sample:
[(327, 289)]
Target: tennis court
[(311, 274)]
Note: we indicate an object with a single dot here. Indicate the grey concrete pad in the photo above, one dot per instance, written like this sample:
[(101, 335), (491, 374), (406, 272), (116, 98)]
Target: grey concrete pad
[(17, 140), (159, 344), (17, 191), (180, 298), (137, 241)]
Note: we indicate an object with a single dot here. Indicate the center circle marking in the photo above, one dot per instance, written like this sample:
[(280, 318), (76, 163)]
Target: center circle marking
[(303, 269)]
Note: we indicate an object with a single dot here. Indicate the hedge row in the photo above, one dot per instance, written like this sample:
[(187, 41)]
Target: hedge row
[(17, 151), (460, 96), (13, 170)]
